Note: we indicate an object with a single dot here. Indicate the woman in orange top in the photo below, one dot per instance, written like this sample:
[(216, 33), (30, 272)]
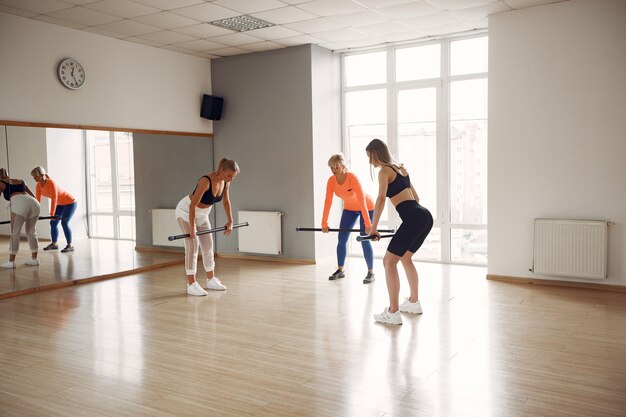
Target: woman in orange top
[(62, 206), (346, 186)]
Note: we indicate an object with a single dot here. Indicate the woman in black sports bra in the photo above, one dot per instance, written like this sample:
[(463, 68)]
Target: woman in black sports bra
[(24, 212), (192, 214), (394, 183)]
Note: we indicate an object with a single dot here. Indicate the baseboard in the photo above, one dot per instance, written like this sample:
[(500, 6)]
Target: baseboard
[(159, 249), (265, 258), (557, 283)]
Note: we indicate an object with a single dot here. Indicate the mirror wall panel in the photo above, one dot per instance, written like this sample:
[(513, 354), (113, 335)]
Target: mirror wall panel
[(109, 174)]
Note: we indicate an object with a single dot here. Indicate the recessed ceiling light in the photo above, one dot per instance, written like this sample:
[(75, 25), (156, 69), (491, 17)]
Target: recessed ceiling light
[(242, 23)]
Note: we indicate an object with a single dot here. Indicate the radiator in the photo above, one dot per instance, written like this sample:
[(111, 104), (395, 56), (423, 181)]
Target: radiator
[(263, 235), (570, 248), (163, 225)]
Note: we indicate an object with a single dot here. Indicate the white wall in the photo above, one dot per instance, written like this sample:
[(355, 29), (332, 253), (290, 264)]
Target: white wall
[(26, 149), (557, 126), (128, 85)]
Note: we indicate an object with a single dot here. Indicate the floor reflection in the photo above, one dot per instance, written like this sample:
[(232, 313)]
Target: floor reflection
[(93, 259)]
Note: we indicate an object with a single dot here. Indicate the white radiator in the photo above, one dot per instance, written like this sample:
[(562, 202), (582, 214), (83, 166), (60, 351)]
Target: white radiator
[(571, 248), (263, 235), (163, 225)]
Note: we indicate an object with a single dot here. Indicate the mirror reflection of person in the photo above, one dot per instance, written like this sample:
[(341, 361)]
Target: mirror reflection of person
[(24, 212), (192, 214), (62, 207)]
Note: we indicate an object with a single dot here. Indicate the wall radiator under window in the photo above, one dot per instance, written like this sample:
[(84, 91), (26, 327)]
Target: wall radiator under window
[(163, 225), (571, 248), (263, 235)]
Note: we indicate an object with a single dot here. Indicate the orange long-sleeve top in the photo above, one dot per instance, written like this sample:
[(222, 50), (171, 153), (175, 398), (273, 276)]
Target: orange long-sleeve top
[(57, 196), (352, 195)]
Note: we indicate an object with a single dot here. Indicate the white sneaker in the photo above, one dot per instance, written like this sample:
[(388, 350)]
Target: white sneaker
[(409, 307), (388, 318), (195, 289), (8, 264), (215, 284), (32, 262)]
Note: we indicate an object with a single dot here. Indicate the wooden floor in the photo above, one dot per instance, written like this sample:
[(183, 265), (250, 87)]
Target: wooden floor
[(93, 259), (285, 341)]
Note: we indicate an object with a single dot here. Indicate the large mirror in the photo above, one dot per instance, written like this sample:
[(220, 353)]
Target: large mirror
[(97, 169)]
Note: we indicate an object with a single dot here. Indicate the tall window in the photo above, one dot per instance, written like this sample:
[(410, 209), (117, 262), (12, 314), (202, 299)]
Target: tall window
[(111, 185), (428, 102)]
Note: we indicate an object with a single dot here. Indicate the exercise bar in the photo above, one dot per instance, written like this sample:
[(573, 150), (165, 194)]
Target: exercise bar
[(372, 237), (317, 229), (41, 218), (204, 232)]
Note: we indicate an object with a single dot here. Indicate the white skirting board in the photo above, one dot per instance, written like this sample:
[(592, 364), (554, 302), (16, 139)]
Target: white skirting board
[(263, 234), (163, 225)]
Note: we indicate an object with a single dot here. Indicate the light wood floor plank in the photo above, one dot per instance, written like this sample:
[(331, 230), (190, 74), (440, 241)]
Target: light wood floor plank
[(283, 340)]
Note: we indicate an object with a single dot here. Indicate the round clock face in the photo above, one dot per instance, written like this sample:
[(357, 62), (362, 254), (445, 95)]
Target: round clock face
[(71, 74)]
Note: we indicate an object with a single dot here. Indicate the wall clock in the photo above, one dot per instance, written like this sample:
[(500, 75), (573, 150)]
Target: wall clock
[(71, 74)]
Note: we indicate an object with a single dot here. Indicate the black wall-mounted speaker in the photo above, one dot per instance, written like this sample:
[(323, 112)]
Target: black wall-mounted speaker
[(211, 107)]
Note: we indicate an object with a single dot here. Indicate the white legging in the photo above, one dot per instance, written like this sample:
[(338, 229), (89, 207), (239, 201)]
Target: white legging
[(24, 211), (203, 242)]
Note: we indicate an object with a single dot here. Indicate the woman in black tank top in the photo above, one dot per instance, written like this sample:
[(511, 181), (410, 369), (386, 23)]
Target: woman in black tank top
[(394, 183), (24, 212), (192, 214)]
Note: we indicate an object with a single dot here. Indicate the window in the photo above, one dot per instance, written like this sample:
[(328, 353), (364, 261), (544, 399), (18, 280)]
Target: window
[(111, 185), (428, 102)]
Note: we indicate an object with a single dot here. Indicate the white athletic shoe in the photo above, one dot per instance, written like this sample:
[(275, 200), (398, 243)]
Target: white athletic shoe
[(409, 307), (8, 264), (388, 318), (195, 289), (32, 262), (215, 284)]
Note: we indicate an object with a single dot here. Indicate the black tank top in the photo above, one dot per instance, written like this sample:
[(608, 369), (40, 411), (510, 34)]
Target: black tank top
[(10, 189), (208, 198), (398, 184)]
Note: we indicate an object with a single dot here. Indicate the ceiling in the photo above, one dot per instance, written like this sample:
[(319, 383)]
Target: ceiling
[(182, 25)]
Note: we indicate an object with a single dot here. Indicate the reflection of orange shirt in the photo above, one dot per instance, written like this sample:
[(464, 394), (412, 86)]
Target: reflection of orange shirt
[(54, 193), (352, 195)]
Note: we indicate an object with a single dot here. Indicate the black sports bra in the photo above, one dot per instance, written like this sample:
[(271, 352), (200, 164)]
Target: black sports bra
[(208, 198), (399, 183), (10, 189)]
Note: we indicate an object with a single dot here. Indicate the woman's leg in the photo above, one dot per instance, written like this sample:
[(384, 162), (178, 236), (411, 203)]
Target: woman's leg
[(191, 251), (17, 222), (348, 219), (54, 226), (390, 262), (411, 275), (31, 235), (206, 245), (368, 252), (67, 212)]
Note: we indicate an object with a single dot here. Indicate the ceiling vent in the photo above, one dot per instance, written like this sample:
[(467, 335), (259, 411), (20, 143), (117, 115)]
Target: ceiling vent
[(242, 23)]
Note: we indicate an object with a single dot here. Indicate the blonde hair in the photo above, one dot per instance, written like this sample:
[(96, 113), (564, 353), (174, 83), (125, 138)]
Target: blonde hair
[(39, 170), (228, 165), (336, 159)]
